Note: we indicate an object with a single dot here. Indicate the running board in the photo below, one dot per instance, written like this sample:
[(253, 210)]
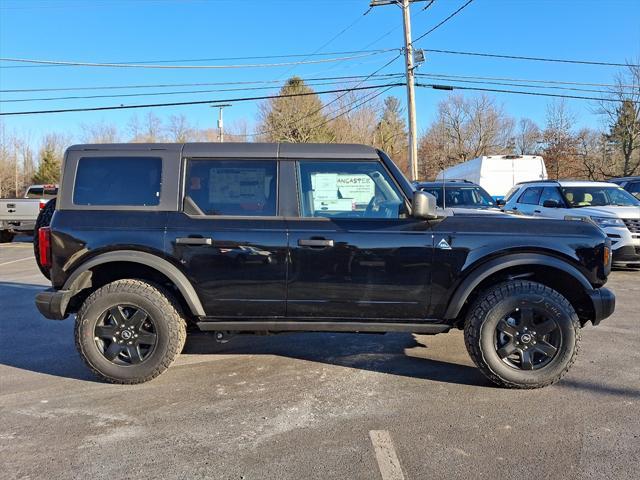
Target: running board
[(310, 326)]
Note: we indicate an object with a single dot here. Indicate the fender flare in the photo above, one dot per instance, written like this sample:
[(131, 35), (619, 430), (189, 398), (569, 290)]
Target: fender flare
[(76, 279), (480, 273)]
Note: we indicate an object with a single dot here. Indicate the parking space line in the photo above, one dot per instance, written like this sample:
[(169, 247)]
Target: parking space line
[(386, 457), (15, 261)]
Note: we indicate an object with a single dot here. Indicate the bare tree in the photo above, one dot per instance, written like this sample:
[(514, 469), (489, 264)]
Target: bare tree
[(527, 137), (101, 132), (623, 120), (559, 141), (179, 130), (464, 128), (146, 131)]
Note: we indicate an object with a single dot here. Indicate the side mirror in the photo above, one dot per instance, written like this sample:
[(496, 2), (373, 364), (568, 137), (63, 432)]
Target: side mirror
[(551, 204), (500, 202), (423, 205)]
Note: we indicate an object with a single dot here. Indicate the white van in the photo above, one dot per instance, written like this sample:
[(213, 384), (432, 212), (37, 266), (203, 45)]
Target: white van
[(497, 174)]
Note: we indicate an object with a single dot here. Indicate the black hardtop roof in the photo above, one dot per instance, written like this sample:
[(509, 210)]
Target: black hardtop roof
[(244, 150), (453, 181)]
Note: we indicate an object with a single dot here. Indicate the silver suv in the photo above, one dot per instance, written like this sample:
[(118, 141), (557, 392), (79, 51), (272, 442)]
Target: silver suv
[(607, 205)]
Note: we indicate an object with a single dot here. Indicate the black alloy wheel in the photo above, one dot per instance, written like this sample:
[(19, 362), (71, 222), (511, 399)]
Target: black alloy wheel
[(527, 339), (125, 335)]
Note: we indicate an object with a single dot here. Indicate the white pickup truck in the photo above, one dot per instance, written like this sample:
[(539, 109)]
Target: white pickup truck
[(18, 215)]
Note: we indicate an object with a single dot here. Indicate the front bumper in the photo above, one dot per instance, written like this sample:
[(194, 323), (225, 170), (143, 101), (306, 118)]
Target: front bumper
[(626, 254), (604, 303), (52, 304)]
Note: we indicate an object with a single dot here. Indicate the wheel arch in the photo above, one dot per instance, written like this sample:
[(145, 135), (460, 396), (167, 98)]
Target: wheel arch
[(545, 269), (132, 263)]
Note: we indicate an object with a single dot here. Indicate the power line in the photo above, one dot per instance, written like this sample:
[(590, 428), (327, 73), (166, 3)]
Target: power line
[(361, 102), (218, 59), (150, 66), (511, 84), (172, 85), (507, 79), (536, 59), (332, 101), (443, 21), (518, 92), (183, 92), (337, 35), (197, 102)]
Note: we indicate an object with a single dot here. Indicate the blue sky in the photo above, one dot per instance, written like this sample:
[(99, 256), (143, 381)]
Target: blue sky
[(145, 30)]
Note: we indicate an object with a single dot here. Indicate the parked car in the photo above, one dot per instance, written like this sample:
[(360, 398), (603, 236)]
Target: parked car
[(458, 194), (145, 239), (607, 205), (18, 215), (630, 184), (498, 173)]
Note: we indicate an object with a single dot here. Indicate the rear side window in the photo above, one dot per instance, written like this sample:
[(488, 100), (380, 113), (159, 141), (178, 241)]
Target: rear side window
[(233, 187), (531, 196), (126, 181), (633, 187)]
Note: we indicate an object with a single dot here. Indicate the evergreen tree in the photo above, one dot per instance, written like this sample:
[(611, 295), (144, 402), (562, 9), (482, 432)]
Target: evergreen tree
[(298, 119), (49, 167)]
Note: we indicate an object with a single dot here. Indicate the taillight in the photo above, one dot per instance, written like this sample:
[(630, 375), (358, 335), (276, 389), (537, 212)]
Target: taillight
[(43, 203), (44, 246)]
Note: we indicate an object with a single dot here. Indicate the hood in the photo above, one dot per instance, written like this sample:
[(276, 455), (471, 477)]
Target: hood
[(474, 211), (607, 211)]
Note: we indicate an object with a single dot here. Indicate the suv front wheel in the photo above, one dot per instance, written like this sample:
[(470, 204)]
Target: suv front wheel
[(129, 331), (522, 334)]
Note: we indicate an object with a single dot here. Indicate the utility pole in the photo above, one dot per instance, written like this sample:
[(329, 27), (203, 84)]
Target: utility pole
[(220, 120), (410, 80)]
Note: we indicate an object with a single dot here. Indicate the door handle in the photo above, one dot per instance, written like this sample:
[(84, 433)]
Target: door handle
[(537, 211), (194, 241), (315, 242)]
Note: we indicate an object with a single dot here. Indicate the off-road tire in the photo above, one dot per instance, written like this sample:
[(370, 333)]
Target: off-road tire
[(6, 236), (43, 220), (490, 307), (169, 323)]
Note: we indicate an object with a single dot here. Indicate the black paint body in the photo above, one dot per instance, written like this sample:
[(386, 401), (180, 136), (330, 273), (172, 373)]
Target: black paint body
[(387, 270)]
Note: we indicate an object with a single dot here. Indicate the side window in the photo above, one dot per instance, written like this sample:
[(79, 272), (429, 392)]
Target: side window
[(634, 187), (348, 190), (551, 193), (233, 187), (126, 181), (511, 193), (530, 196)]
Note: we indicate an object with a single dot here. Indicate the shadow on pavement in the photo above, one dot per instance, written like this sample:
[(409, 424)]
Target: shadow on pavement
[(30, 342), (372, 352)]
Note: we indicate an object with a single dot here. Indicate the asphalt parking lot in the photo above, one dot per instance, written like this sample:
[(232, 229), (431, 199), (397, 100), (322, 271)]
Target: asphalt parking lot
[(311, 406)]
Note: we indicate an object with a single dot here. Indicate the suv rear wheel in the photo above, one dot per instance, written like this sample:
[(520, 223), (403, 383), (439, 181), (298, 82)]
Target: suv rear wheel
[(522, 334), (129, 331)]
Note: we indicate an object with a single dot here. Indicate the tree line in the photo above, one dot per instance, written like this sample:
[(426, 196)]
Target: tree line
[(463, 128)]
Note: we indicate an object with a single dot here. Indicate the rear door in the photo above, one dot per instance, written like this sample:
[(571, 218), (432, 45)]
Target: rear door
[(527, 202), (230, 238), (355, 251)]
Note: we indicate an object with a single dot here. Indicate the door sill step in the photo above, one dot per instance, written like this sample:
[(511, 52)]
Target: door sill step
[(321, 326)]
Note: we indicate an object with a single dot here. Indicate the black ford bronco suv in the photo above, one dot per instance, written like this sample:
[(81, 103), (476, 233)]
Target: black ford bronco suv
[(150, 240)]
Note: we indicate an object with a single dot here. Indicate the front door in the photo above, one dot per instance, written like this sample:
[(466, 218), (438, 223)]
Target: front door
[(354, 250), (229, 238)]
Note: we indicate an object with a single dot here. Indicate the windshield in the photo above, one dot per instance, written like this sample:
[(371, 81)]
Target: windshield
[(598, 197), (471, 196)]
